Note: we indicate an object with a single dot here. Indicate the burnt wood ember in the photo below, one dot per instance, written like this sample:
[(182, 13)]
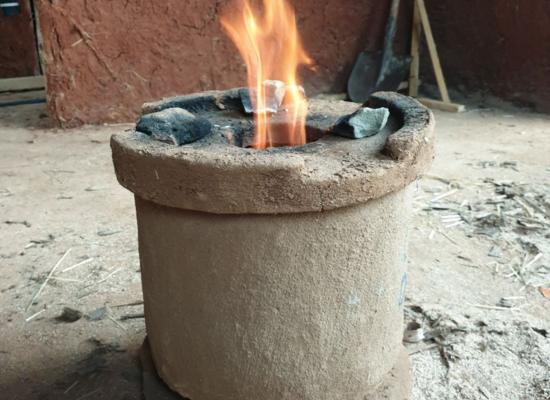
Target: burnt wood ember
[(69, 315), (247, 101), (362, 123), (174, 125), (274, 92)]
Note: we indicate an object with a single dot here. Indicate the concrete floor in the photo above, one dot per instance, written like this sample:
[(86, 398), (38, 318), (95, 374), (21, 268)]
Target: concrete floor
[(58, 192)]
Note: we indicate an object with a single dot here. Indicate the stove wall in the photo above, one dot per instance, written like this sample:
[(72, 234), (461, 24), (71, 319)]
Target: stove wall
[(104, 59)]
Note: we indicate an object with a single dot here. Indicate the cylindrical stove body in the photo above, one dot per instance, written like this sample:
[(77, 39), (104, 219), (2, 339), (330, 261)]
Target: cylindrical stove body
[(287, 306)]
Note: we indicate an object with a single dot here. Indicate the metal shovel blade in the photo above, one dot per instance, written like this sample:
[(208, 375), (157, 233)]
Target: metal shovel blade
[(382, 70), (367, 77), (364, 75)]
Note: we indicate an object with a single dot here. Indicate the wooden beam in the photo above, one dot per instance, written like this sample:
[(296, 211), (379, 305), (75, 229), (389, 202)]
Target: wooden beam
[(26, 83), (433, 51), (442, 105), (415, 53)]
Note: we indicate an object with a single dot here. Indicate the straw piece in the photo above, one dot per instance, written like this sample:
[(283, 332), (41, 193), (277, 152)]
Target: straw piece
[(534, 260), (135, 303), (65, 279), (444, 234), (116, 322), (104, 279), (47, 279), (70, 387), (450, 216), (35, 315), (492, 307), (442, 196), (78, 265)]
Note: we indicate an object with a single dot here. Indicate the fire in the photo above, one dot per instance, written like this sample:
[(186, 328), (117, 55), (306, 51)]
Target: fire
[(272, 50)]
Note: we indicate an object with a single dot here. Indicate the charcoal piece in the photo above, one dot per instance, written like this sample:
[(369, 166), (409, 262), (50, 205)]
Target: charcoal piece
[(69, 315), (246, 101), (230, 100), (174, 126), (362, 123)]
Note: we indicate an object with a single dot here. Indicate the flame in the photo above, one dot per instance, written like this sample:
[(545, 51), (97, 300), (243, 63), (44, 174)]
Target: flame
[(272, 50)]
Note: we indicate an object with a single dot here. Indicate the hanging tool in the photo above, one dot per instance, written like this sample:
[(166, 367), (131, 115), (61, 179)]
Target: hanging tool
[(379, 71)]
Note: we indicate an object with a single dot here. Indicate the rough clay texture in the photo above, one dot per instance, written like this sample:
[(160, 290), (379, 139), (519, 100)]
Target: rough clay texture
[(18, 55), (293, 306), (330, 173), (396, 385), (106, 58)]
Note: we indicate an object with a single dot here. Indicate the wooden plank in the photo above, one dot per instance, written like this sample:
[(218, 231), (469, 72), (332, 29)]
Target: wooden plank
[(25, 83), (415, 53), (442, 105), (406, 85), (433, 51)]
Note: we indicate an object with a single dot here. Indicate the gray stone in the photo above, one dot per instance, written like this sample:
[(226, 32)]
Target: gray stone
[(362, 123), (174, 125), (496, 251), (98, 314)]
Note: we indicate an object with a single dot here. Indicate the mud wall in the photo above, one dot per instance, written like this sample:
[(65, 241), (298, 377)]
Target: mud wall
[(18, 56), (105, 58), (501, 46)]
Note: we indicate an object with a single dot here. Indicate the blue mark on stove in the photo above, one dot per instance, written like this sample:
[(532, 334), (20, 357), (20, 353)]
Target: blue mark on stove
[(353, 301), (402, 288)]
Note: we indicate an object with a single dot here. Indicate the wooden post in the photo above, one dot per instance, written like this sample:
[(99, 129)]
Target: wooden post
[(433, 52), (415, 47)]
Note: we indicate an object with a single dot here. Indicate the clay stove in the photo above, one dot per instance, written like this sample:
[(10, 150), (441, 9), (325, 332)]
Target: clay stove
[(277, 273)]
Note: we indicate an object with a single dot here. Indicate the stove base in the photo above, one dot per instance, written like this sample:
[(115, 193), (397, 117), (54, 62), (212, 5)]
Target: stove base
[(396, 386)]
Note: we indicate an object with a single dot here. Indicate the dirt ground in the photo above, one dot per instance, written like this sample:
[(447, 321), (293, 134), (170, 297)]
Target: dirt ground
[(486, 320)]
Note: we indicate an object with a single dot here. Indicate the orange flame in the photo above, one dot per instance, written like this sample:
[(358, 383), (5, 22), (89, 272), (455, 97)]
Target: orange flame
[(272, 50)]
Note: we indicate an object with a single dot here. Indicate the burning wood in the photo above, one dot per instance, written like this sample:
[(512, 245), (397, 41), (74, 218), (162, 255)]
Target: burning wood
[(271, 48), (276, 94), (274, 91)]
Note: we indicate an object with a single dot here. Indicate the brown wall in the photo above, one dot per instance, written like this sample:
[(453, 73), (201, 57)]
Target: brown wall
[(502, 46), (105, 58), (18, 55)]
